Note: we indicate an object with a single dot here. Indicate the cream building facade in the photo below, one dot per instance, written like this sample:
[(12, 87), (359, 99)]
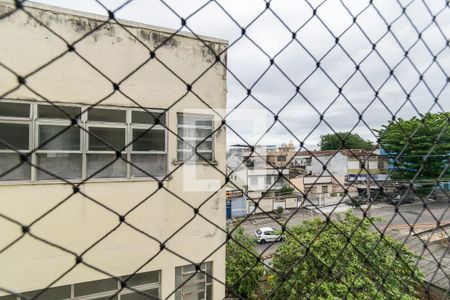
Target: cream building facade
[(117, 217)]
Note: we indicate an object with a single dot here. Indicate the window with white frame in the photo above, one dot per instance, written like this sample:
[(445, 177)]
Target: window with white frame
[(15, 140), (107, 131), (196, 132), (145, 285), (192, 284), (149, 145), (76, 142), (59, 144)]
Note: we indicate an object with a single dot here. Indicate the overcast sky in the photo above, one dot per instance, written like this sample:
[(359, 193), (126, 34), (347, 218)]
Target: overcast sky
[(274, 90)]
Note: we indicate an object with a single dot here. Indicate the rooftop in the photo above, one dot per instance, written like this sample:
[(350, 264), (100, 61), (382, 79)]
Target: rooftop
[(266, 229), (92, 16), (435, 253)]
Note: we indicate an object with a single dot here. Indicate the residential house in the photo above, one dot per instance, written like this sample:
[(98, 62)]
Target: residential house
[(94, 217), (318, 190), (262, 181), (258, 173), (237, 171), (284, 154), (237, 186), (279, 157), (324, 175), (236, 150), (343, 164)]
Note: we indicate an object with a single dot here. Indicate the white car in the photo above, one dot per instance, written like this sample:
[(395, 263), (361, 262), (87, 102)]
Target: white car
[(267, 234)]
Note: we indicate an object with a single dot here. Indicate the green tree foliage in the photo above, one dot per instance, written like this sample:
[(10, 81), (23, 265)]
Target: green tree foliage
[(365, 266), (285, 189), (243, 272), (412, 140), (343, 140)]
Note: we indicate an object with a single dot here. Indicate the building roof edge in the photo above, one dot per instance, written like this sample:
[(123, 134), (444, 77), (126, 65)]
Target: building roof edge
[(128, 23)]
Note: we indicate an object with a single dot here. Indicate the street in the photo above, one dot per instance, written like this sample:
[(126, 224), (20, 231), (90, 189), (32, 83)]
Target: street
[(407, 215)]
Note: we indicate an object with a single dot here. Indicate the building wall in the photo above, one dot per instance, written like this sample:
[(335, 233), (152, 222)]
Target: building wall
[(238, 173), (354, 164), (78, 222), (239, 178), (375, 166), (258, 179), (336, 165), (322, 190), (298, 184), (271, 155), (239, 207)]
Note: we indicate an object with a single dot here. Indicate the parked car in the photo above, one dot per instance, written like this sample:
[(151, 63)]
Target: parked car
[(354, 178), (356, 201), (267, 234), (399, 200)]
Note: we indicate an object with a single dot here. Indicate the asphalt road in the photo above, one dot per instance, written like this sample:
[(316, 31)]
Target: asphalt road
[(407, 215)]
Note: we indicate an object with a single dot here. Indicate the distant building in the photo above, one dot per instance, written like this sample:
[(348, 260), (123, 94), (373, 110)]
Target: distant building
[(270, 155), (343, 164), (236, 150), (237, 171), (258, 171), (264, 180), (319, 190), (261, 173)]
